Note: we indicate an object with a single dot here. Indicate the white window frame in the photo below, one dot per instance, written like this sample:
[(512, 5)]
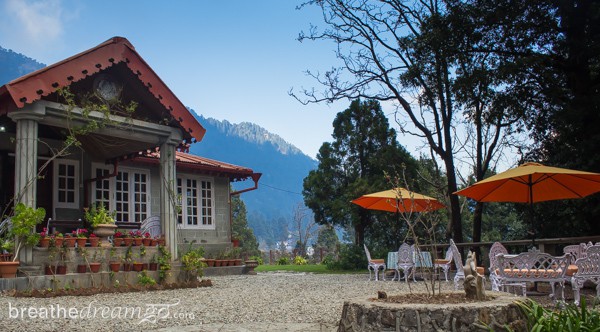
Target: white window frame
[(183, 201), (130, 190), (55, 180)]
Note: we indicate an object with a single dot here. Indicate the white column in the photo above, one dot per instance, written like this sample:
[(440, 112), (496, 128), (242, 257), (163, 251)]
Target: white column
[(168, 195), (26, 150)]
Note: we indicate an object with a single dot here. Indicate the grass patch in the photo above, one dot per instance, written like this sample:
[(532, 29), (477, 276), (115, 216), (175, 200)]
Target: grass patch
[(313, 268)]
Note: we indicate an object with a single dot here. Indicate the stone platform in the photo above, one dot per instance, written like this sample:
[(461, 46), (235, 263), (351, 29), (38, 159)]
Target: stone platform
[(370, 315)]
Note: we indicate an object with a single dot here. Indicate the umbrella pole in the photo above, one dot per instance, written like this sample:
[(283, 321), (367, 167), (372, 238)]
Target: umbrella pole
[(531, 212)]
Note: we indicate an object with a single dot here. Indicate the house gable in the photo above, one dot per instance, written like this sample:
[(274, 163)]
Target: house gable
[(116, 57)]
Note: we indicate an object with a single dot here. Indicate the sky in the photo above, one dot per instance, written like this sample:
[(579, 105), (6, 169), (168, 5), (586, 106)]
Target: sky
[(233, 60)]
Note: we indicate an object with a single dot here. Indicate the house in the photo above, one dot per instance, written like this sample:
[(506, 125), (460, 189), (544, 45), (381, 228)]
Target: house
[(134, 163)]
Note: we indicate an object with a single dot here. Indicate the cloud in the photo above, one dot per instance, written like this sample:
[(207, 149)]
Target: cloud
[(38, 21)]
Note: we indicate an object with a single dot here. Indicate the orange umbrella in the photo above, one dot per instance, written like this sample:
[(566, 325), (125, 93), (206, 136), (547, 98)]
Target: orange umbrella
[(398, 200), (533, 182)]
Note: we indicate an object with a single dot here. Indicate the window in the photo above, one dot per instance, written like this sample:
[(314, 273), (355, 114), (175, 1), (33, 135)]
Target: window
[(127, 193), (196, 199), (66, 184)]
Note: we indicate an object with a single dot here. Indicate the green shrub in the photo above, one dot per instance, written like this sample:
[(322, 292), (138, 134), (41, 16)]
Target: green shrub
[(283, 261), (299, 260), (569, 318), (351, 257), (259, 259), (145, 280)]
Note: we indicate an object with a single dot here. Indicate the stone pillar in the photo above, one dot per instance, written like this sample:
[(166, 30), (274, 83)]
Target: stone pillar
[(26, 147), (168, 195)]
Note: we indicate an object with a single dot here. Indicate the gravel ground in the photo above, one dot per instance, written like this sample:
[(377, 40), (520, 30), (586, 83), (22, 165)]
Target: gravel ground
[(267, 297), (264, 298)]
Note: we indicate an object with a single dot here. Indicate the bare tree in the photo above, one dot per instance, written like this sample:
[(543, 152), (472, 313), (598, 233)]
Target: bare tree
[(416, 56), (304, 227)]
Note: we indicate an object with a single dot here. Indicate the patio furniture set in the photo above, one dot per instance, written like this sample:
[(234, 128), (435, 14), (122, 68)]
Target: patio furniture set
[(406, 261), (579, 264)]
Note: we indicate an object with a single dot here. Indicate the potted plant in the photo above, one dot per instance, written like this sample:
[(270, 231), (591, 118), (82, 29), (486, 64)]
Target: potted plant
[(193, 263), (101, 221), (80, 237), (23, 222), (96, 263), (153, 266), (137, 237), (58, 240), (114, 265), (147, 239), (70, 240), (44, 239), (118, 239), (93, 240), (82, 265)]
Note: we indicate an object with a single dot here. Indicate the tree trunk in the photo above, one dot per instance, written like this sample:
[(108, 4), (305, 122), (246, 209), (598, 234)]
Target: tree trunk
[(456, 222), (477, 217)]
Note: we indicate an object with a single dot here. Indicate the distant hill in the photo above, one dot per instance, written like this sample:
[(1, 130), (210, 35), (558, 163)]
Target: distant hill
[(15, 65), (284, 168)]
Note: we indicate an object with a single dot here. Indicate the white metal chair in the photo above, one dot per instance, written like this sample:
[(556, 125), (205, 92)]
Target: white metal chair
[(444, 264), (406, 262), (495, 279), (375, 265), (457, 257), (587, 269)]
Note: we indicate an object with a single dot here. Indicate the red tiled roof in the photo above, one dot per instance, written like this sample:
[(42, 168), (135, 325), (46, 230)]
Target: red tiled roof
[(192, 162), (32, 87)]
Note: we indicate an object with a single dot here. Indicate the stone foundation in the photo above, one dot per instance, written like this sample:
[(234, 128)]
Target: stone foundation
[(370, 315)]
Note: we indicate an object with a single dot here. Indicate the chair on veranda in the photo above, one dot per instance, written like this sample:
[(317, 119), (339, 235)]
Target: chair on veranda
[(405, 262), (444, 264), (375, 265)]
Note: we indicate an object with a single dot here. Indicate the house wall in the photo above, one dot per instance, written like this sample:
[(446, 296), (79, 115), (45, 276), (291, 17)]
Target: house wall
[(212, 240)]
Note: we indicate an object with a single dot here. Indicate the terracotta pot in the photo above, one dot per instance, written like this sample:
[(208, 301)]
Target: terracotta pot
[(70, 242), (50, 270), (61, 269), (95, 267), (94, 241), (162, 242), (237, 262), (81, 268), (115, 266), (147, 242), (81, 241), (144, 266), (58, 242), (9, 269), (153, 266), (210, 262), (117, 241), (126, 267), (44, 242), (154, 243), (235, 242), (137, 267), (218, 262), (128, 241), (137, 241)]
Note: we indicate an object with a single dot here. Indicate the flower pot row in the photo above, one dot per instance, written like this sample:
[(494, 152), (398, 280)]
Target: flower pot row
[(68, 242), (134, 241), (222, 262), (95, 268), (137, 267)]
